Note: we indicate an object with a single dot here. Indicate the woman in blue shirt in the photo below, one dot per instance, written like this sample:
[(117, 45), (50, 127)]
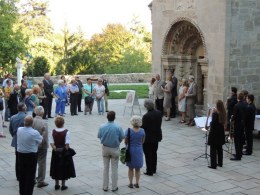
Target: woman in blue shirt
[(60, 98)]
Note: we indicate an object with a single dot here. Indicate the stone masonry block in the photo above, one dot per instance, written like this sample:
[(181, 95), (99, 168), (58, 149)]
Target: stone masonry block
[(246, 49), (257, 21), (252, 78), (249, 25), (248, 71), (258, 4)]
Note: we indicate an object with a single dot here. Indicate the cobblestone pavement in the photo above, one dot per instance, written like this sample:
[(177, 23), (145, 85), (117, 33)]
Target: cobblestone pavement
[(177, 172)]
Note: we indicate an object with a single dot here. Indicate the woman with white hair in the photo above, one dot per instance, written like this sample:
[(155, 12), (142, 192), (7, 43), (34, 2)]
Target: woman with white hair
[(135, 137), (60, 98)]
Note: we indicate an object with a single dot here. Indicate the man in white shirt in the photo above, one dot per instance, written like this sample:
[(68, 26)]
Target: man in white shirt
[(28, 140)]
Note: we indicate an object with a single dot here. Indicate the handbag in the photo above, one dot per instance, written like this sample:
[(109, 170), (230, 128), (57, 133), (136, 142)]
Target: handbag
[(125, 155), (89, 99)]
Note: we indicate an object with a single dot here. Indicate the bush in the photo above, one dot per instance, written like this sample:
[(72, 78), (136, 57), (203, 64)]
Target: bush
[(40, 66)]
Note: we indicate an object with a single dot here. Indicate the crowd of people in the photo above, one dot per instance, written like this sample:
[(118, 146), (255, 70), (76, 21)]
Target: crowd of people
[(65, 93), (164, 94), (27, 108), (237, 119)]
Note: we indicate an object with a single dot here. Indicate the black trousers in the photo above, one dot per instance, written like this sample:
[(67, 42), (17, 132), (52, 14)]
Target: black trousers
[(79, 101), (239, 140), (159, 105), (173, 109), (150, 152), (216, 154), (249, 141), (73, 103), (47, 105), (17, 166), (28, 163)]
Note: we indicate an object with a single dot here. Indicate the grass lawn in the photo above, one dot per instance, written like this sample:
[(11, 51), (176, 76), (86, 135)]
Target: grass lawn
[(141, 91)]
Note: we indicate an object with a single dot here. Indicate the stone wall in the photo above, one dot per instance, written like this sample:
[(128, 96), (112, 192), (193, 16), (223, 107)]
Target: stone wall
[(113, 78), (244, 51)]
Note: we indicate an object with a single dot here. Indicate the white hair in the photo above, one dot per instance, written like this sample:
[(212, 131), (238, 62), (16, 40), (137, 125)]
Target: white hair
[(60, 82), (39, 110), (28, 91), (136, 121)]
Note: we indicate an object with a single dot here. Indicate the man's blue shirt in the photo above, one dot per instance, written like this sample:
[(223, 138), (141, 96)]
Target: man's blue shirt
[(111, 135)]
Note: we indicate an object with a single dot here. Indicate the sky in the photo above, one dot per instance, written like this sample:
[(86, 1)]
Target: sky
[(93, 15)]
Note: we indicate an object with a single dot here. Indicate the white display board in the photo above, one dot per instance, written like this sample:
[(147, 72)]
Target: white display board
[(131, 101)]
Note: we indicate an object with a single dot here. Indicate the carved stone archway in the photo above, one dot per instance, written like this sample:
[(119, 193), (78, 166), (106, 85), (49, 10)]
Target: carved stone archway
[(185, 52)]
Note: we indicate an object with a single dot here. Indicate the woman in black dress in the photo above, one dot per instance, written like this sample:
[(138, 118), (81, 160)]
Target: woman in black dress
[(217, 135), (62, 166)]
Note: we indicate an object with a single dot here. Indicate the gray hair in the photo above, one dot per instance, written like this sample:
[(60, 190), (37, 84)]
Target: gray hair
[(149, 104), (136, 121), (60, 82), (39, 110)]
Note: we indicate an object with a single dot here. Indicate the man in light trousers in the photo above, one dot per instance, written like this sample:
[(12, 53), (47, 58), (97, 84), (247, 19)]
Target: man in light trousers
[(111, 136), (42, 127)]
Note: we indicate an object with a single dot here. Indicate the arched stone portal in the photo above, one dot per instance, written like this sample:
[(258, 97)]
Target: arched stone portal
[(184, 51)]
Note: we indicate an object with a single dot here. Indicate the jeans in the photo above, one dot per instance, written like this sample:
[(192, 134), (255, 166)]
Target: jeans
[(113, 155), (60, 107), (100, 106), (7, 112)]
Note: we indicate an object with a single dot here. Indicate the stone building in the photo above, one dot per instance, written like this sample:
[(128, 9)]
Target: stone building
[(217, 41)]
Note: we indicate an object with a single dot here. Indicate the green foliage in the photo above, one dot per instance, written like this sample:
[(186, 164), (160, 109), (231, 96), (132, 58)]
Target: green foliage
[(11, 40), (141, 91), (115, 50), (74, 59), (40, 66), (37, 28)]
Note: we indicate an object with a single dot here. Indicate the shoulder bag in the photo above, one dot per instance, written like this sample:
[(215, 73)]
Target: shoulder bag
[(125, 155), (89, 99)]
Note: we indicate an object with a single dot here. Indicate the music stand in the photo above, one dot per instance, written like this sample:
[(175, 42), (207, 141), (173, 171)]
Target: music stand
[(229, 138), (205, 154)]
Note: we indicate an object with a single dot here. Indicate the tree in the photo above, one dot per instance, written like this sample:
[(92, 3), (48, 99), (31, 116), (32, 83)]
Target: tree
[(109, 46), (12, 42), (40, 66), (72, 51), (37, 28)]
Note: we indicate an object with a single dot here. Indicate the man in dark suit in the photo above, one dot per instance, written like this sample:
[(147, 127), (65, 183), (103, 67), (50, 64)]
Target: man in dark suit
[(79, 96), (174, 93), (239, 125), (13, 100), (231, 102), (249, 124), (48, 90), (152, 122)]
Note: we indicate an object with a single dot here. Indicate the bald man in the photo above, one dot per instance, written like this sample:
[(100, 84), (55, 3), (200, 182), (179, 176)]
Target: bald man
[(28, 140)]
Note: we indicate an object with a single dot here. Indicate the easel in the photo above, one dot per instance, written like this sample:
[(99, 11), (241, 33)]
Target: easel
[(131, 101), (206, 130)]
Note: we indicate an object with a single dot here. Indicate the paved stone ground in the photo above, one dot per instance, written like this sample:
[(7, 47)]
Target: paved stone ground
[(177, 172)]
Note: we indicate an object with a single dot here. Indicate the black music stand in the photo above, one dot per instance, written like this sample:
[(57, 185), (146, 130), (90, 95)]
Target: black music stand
[(229, 138), (205, 154)]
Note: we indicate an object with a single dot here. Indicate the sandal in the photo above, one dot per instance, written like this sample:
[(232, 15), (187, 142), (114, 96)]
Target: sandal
[(136, 185), (182, 121), (130, 186)]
